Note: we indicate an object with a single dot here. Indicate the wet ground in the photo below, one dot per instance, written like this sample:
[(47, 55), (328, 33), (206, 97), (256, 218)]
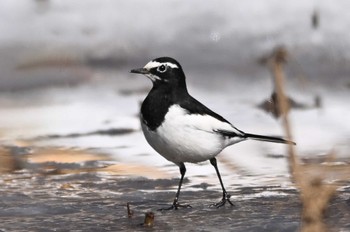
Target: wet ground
[(90, 202), (71, 149)]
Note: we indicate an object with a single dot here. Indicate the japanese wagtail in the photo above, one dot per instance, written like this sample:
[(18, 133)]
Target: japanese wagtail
[(182, 129)]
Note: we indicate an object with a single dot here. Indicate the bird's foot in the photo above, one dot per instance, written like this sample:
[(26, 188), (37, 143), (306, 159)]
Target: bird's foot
[(225, 198), (175, 206)]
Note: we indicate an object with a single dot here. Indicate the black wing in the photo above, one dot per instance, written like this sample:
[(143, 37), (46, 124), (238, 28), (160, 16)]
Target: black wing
[(193, 106)]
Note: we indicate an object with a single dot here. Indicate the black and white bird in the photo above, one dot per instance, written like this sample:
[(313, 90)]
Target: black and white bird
[(182, 129)]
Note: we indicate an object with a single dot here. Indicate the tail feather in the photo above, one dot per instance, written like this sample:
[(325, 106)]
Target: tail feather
[(273, 139)]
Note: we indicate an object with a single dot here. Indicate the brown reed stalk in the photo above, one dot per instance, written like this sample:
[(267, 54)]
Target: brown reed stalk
[(314, 194)]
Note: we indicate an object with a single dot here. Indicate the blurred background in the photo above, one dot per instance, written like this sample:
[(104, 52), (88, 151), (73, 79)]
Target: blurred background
[(69, 126), (65, 81)]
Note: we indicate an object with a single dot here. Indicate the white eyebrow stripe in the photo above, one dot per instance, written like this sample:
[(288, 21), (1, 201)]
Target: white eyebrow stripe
[(154, 64)]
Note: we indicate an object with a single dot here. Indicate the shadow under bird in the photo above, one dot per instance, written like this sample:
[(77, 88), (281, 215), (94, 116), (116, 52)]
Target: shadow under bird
[(182, 129)]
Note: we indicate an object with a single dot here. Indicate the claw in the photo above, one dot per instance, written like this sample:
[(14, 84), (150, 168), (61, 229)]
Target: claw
[(225, 198), (175, 206)]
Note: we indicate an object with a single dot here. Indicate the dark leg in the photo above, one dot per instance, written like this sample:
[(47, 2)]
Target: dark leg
[(176, 204), (226, 196)]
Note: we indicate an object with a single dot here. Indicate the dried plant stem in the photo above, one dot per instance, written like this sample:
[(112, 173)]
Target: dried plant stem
[(314, 194), (277, 68)]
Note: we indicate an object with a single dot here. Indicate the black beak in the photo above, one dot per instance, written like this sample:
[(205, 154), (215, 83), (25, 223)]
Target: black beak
[(140, 71)]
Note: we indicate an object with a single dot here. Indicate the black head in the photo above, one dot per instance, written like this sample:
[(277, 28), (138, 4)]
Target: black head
[(163, 71)]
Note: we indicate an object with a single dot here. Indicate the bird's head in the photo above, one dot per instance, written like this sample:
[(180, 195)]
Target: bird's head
[(163, 71)]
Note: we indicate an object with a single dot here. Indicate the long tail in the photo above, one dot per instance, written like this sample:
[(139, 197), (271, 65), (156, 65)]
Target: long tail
[(265, 138)]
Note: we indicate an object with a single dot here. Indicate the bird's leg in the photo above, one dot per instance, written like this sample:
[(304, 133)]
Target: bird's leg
[(176, 204), (225, 195)]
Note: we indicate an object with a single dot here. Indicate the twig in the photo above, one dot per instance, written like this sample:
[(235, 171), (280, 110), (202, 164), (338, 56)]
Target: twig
[(314, 194)]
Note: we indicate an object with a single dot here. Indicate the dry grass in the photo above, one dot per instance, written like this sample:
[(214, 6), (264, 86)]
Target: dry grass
[(47, 158), (49, 60), (315, 194), (58, 155), (134, 170), (64, 156), (120, 169)]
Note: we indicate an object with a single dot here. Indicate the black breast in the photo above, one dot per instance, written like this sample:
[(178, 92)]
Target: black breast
[(155, 107)]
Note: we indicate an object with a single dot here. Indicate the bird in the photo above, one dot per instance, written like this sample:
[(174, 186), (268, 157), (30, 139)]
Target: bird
[(182, 129)]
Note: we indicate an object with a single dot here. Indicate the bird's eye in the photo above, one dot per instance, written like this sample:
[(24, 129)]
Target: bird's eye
[(162, 68)]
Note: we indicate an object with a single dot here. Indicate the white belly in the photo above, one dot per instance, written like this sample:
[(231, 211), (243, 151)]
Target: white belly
[(187, 138)]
